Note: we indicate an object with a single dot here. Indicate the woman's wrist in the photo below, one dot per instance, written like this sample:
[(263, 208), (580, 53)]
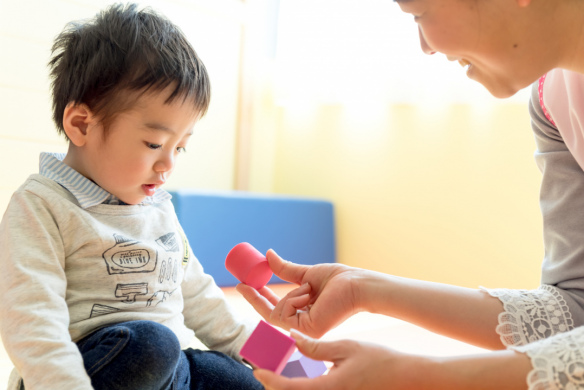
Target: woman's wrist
[(371, 291)]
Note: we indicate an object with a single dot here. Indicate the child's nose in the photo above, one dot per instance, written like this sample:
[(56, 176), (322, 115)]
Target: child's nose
[(165, 164)]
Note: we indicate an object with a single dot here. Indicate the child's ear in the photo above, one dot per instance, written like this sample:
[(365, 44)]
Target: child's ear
[(77, 118)]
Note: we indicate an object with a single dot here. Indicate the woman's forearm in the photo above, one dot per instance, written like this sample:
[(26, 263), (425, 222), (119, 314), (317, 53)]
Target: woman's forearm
[(461, 313), (500, 370)]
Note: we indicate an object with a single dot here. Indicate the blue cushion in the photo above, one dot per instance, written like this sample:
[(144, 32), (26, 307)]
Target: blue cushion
[(298, 229)]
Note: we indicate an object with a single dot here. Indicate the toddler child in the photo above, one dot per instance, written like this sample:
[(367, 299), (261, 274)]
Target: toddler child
[(100, 288)]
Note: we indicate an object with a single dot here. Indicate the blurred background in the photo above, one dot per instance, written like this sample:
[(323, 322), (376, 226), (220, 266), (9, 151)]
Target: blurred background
[(431, 177)]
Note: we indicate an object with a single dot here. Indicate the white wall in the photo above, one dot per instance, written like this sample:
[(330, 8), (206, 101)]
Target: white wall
[(27, 29)]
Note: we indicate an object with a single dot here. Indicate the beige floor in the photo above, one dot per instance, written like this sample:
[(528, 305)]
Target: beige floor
[(390, 332)]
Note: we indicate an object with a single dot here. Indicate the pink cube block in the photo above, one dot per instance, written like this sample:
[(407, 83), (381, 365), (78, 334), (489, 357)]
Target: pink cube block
[(248, 265), (300, 366), (268, 348)]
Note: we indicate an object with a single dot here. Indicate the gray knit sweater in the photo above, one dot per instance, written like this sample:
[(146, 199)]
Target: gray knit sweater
[(67, 271)]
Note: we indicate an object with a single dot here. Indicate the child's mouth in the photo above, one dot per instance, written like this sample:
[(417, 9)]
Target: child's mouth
[(149, 189)]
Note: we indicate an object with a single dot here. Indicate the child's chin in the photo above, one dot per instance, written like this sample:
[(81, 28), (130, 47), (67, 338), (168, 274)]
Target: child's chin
[(134, 201)]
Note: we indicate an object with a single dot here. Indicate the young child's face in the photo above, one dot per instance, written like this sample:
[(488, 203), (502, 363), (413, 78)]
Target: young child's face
[(140, 149)]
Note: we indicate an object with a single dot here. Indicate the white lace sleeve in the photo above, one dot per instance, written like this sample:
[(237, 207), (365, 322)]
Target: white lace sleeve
[(558, 362), (531, 315)]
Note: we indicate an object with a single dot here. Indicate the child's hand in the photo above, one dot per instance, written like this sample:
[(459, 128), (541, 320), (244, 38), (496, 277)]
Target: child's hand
[(326, 296), (356, 366)]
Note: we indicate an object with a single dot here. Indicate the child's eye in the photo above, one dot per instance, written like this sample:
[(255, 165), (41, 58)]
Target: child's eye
[(153, 146), (181, 149)]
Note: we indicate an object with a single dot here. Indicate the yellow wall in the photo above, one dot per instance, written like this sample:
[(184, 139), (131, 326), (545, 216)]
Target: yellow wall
[(448, 194)]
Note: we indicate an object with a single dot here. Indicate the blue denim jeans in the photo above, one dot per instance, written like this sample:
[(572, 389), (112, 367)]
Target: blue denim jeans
[(144, 355)]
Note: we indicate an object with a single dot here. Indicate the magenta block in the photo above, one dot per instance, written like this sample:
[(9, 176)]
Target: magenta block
[(301, 366), (248, 265), (268, 348)]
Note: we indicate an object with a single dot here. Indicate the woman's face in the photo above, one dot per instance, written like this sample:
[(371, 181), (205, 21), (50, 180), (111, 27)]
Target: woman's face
[(483, 35)]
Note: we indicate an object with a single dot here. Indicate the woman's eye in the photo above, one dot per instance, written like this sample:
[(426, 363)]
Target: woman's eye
[(181, 149), (153, 146)]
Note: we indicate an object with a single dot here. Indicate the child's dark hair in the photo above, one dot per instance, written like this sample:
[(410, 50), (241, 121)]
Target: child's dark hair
[(124, 49)]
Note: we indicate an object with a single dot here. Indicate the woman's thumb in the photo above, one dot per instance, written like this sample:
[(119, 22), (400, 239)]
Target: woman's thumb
[(316, 349), (285, 270)]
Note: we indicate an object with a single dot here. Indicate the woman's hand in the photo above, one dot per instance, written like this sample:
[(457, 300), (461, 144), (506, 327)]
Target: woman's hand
[(327, 295), (330, 293), (356, 366), (364, 366)]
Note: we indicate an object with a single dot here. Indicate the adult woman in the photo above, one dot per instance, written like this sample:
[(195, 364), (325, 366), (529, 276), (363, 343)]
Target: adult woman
[(505, 45)]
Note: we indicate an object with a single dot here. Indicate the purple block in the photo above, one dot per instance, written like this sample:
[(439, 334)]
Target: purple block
[(268, 348), (302, 366)]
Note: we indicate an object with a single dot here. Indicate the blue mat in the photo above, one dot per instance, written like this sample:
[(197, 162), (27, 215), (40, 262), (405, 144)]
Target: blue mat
[(298, 229)]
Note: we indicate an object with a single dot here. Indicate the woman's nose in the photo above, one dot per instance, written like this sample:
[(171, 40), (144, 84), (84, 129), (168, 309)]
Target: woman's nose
[(425, 47)]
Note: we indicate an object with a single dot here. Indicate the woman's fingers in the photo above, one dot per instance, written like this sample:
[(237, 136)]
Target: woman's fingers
[(300, 290), (313, 349), (286, 309), (271, 381), (267, 293), (264, 306), (331, 351), (286, 270), (292, 306)]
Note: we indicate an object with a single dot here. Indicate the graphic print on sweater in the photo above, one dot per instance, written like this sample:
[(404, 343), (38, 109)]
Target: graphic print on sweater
[(129, 256), (159, 261), (130, 290), (100, 310), (168, 242)]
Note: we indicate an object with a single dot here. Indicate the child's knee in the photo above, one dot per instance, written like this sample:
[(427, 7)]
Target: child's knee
[(150, 346), (153, 340), (142, 353)]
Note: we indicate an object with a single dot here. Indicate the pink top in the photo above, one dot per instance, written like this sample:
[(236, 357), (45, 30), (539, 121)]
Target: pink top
[(560, 92)]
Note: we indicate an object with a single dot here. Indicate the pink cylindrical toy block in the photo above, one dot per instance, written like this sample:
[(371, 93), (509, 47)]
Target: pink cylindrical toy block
[(248, 265)]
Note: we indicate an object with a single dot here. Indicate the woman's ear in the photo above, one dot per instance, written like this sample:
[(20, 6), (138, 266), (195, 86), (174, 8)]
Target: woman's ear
[(77, 118)]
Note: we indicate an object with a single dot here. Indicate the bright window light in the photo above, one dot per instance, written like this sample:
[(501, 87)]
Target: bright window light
[(343, 51)]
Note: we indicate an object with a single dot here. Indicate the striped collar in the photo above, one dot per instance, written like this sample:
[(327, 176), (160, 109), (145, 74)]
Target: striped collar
[(86, 192)]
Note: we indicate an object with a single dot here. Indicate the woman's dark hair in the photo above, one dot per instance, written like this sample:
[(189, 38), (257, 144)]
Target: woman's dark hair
[(124, 49)]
